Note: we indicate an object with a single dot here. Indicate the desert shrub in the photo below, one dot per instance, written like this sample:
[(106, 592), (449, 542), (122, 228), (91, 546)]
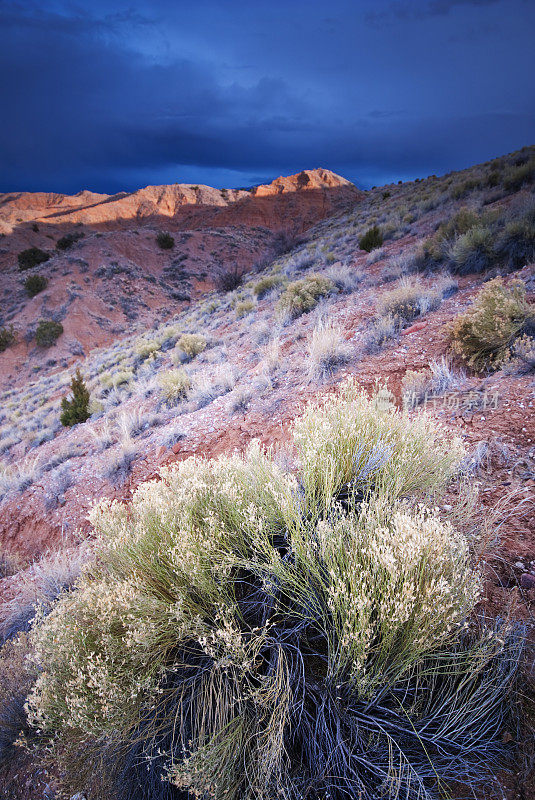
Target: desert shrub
[(303, 295), (191, 344), (516, 242), (244, 307), (436, 247), (372, 239), (473, 251), (47, 333), (409, 299), (110, 380), (375, 255), (75, 409), (35, 284), (207, 386), (174, 385), (521, 358), (515, 177), (248, 633), (229, 279), (7, 337), (68, 240), (165, 241), (465, 187), (266, 285), (147, 348), (32, 257), (119, 463), (483, 335), (382, 329), (346, 278), (327, 349)]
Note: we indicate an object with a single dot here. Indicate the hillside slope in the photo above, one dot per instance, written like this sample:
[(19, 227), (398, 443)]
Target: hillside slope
[(264, 354)]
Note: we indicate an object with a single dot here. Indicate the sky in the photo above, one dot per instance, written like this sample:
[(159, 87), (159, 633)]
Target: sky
[(112, 96)]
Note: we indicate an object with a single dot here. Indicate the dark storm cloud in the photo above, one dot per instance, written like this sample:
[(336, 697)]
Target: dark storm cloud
[(223, 93), (421, 10)]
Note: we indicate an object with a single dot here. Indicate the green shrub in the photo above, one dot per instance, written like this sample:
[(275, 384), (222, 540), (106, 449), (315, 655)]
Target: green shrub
[(7, 337), (48, 332), (265, 285), (76, 409), (244, 307), (303, 295), (174, 385), (247, 634), (372, 239), (191, 344), (465, 187), (473, 251), (483, 335), (68, 240), (516, 177), (165, 241), (436, 247), (35, 284), (516, 243), (32, 257)]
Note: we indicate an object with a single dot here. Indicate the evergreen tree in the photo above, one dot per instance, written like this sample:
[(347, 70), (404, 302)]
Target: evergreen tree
[(77, 409)]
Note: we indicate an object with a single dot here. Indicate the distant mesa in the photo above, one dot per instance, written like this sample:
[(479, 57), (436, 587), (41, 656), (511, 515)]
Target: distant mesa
[(93, 208)]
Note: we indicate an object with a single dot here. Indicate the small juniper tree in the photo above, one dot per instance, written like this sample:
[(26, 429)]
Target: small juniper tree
[(372, 239), (165, 241), (77, 409)]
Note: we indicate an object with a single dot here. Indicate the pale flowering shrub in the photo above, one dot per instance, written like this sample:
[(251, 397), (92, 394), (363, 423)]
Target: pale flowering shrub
[(248, 633), (345, 443)]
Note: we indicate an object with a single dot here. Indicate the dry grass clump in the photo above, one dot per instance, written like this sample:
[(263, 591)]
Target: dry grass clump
[(244, 307), (266, 285), (345, 277), (147, 348), (327, 349), (15, 478), (436, 379), (408, 300), (174, 385), (499, 314), (303, 295), (191, 344), (119, 462), (207, 386), (250, 633), (383, 328)]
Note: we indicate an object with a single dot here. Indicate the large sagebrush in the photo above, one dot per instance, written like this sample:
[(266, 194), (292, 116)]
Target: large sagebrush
[(248, 633)]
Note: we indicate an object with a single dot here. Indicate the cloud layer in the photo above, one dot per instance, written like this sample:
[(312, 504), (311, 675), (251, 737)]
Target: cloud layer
[(122, 96)]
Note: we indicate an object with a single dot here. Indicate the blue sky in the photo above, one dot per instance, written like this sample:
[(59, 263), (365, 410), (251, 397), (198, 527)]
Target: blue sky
[(113, 96)]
